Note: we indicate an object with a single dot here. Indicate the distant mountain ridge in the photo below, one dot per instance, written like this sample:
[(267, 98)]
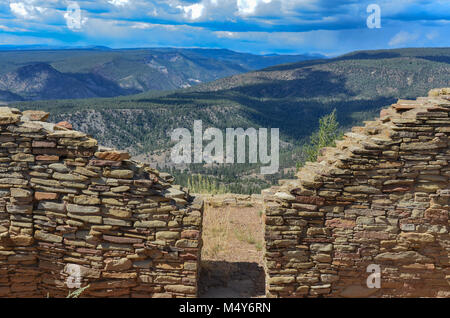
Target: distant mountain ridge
[(398, 72), (42, 81), (36, 73)]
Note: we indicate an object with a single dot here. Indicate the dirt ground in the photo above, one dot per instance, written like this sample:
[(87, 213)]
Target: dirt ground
[(232, 253)]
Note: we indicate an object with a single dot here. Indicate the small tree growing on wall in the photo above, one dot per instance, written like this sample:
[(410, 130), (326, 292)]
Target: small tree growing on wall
[(325, 136)]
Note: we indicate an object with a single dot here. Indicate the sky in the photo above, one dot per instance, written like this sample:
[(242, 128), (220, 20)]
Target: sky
[(329, 27)]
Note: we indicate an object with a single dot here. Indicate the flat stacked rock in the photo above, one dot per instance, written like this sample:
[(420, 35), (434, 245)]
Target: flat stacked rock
[(380, 197), (74, 214)]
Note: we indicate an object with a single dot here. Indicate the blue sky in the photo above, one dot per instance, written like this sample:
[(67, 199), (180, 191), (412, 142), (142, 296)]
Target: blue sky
[(329, 27)]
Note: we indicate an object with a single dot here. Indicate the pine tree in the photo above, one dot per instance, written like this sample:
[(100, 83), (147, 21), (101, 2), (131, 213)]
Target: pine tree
[(325, 136)]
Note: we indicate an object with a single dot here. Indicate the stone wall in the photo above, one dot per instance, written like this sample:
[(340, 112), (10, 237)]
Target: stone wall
[(232, 200), (72, 214), (382, 197)]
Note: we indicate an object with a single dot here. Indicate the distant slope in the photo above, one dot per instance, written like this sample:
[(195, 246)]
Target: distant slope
[(35, 74), (402, 72), (42, 81)]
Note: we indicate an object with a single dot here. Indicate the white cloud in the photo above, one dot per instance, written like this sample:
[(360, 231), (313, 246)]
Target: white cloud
[(403, 37), (142, 25), (194, 11), (227, 34), (26, 9), (246, 7), (119, 3), (35, 10), (432, 35), (154, 12), (19, 9), (9, 29)]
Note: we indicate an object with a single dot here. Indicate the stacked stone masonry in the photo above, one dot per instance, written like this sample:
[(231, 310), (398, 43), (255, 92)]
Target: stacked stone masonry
[(73, 214), (381, 197)]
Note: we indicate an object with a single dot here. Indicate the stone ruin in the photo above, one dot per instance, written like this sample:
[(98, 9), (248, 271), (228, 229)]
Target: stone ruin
[(381, 197), (73, 214)]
